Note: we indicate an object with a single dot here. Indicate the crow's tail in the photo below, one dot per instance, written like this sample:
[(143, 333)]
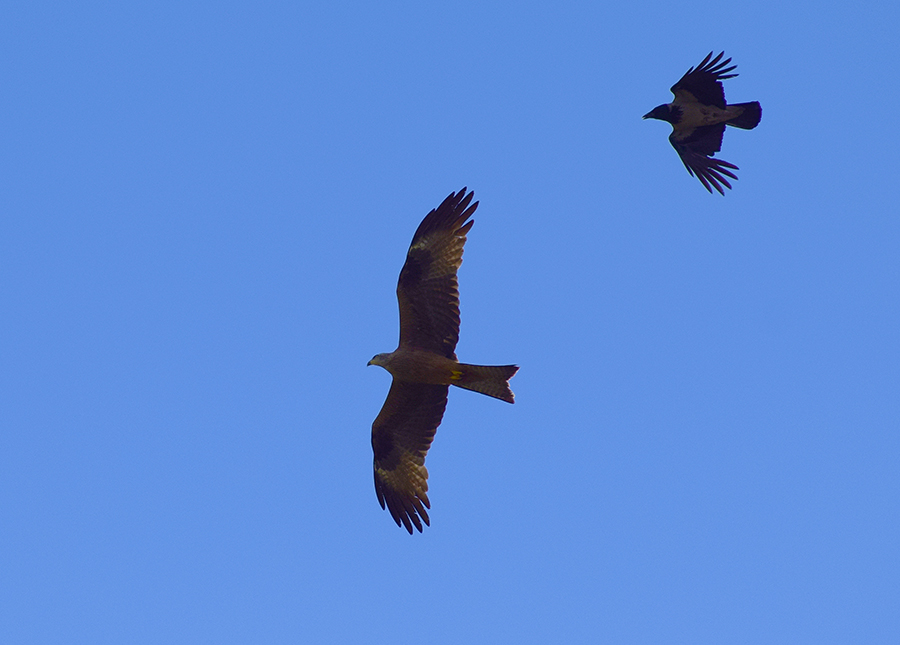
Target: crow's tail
[(749, 117)]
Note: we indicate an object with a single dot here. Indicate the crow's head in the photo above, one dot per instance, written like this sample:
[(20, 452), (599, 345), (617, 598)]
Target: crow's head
[(665, 112)]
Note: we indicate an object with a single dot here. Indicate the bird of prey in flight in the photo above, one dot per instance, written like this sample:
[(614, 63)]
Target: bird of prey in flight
[(424, 365), (699, 115)]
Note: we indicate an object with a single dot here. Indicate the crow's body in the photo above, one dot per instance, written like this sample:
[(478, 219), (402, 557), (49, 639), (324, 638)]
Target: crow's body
[(699, 115)]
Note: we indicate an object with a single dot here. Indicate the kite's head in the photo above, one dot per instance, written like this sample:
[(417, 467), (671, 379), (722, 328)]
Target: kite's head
[(665, 112), (378, 359)]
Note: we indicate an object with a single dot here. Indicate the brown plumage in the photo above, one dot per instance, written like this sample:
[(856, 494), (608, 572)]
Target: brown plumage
[(424, 364)]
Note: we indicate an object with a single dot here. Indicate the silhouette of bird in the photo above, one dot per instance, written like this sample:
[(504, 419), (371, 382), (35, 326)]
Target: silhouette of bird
[(699, 115), (424, 365)]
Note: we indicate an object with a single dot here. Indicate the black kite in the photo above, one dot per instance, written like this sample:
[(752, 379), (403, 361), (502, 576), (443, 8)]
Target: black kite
[(424, 365)]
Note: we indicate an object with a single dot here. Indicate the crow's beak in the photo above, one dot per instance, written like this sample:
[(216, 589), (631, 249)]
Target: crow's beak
[(646, 116)]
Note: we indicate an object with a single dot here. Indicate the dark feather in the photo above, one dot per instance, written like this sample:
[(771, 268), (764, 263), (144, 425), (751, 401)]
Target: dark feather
[(705, 140), (428, 290), (709, 170), (704, 83), (401, 436)]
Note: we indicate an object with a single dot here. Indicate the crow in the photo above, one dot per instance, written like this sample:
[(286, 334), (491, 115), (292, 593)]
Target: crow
[(699, 115)]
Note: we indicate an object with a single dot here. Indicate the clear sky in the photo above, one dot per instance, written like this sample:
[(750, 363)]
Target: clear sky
[(204, 208)]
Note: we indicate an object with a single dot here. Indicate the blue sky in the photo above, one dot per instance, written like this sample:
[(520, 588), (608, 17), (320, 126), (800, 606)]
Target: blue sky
[(205, 207)]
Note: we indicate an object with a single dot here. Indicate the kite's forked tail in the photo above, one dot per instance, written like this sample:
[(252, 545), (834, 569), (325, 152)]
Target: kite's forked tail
[(487, 379)]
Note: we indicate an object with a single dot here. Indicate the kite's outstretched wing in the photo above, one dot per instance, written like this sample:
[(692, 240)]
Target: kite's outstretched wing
[(401, 436), (696, 150), (428, 291), (704, 83)]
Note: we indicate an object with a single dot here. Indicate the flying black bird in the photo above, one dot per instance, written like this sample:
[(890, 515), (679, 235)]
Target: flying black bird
[(699, 115), (424, 365)]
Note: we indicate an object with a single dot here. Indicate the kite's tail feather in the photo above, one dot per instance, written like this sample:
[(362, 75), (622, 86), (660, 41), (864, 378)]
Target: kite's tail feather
[(488, 379), (749, 118)]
